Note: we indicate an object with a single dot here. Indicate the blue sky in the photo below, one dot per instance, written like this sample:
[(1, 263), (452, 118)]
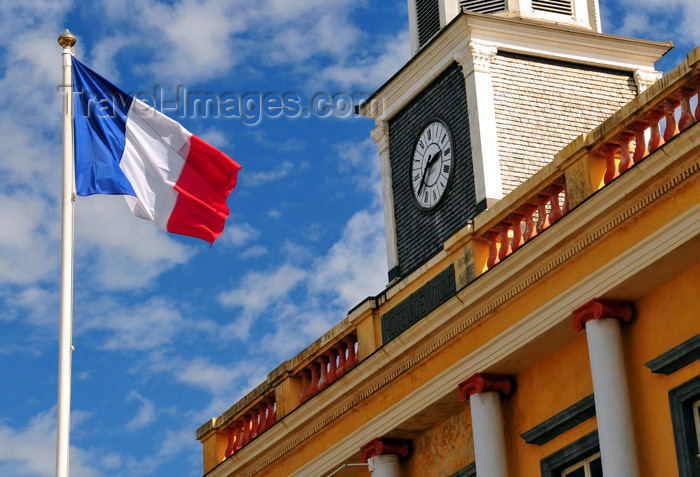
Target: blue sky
[(168, 331)]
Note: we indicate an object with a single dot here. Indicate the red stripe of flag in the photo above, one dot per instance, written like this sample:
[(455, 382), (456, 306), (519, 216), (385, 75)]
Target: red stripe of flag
[(206, 180)]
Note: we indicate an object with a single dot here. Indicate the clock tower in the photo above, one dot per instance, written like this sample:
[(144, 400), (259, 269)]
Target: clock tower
[(493, 90)]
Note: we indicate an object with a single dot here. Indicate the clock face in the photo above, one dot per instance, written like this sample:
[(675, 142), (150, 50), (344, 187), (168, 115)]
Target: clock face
[(432, 165)]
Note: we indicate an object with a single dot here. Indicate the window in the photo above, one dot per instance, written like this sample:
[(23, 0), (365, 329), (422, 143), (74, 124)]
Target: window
[(588, 467), (428, 19), (554, 6), (483, 6), (579, 459), (685, 414), (696, 415)]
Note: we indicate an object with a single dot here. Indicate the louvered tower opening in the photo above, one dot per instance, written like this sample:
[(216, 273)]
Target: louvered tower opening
[(484, 6), (428, 19), (554, 6)]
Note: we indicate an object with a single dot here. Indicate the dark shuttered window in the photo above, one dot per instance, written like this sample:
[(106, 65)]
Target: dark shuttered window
[(428, 16), (483, 6)]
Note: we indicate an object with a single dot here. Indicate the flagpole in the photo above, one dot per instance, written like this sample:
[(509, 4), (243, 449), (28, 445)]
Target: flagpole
[(66, 40)]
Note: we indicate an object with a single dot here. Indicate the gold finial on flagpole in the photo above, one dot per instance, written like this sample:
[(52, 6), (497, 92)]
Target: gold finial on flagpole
[(66, 40)]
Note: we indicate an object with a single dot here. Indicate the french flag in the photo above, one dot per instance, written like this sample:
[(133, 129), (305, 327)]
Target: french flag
[(166, 174)]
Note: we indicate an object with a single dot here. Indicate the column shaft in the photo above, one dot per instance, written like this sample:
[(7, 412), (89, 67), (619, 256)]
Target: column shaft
[(615, 429), (385, 465), (489, 437)]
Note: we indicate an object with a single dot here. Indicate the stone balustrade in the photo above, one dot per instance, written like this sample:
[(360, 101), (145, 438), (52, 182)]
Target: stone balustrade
[(643, 134), (328, 367)]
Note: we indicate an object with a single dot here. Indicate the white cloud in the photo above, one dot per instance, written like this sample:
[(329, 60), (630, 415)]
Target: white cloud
[(355, 266), (145, 326), (656, 19), (145, 415), (288, 145), (361, 161), (29, 450), (254, 251), (238, 234), (194, 38), (274, 213), (369, 70), (257, 292), (119, 251), (282, 170), (216, 138), (28, 250)]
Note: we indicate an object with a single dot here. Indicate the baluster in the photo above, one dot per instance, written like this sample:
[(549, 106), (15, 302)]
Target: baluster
[(231, 431), (493, 249), (530, 230), (352, 360), (323, 366), (340, 348), (271, 413), (542, 215), (516, 219), (555, 212), (505, 249), (262, 412), (254, 423), (305, 384), (640, 145), (687, 118), (313, 387), (239, 435), (669, 105), (655, 138), (611, 171), (332, 370), (246, 429), (625, 158)]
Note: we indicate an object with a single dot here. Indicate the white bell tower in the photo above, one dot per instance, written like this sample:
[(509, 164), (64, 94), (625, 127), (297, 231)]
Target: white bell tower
[(427, 17)]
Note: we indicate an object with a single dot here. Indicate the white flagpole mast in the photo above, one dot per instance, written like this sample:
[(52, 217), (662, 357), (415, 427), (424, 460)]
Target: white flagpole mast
[(66, 40)]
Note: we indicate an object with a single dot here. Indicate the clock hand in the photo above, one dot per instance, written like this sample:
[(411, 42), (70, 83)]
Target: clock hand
[(428, 165), (422, 179)]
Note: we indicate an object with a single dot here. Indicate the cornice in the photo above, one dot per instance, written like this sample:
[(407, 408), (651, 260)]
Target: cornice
[(480, 299), (566, 44), (516, 36)]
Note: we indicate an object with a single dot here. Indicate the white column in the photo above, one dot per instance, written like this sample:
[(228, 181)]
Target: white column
[(385, 465), (476, 67), (489, 439), (380, 135), (484, 394), (601, 318), (382, 456)]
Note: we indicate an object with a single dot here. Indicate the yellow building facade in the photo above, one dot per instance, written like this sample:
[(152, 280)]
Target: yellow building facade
[(556, 332)]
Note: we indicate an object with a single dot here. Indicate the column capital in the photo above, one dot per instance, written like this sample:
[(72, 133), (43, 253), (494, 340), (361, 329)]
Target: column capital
[(476, 56), (645, 78), (384, 445), (483, 382), (380, 135), (601, 308)]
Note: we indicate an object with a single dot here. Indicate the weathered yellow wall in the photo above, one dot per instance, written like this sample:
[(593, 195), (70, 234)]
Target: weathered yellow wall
[(442, 450), (550, 386), (666, 317)]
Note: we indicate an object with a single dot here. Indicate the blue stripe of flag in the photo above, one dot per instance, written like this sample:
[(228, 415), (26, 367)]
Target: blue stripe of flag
[(100, 117)]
